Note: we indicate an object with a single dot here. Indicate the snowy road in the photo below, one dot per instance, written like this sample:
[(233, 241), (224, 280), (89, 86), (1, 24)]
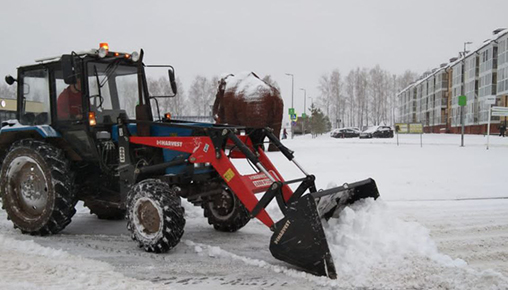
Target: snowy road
[(419, 236)]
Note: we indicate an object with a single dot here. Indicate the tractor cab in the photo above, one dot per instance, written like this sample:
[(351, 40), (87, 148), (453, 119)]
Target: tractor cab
[(80, 96)]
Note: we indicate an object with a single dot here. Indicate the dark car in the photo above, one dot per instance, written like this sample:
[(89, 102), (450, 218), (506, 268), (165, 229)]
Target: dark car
[(377, 132), (345, 133), (383, 132)]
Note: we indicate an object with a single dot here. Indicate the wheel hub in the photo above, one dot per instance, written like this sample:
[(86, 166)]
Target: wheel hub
[(223, 205), (148, 217), (28, 181)]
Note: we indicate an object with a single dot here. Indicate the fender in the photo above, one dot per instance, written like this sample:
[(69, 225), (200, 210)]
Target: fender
[(45, 131)]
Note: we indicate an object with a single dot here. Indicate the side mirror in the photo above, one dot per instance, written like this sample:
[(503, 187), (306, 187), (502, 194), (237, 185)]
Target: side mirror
[(68, 69), (10, 80), (172, 81)]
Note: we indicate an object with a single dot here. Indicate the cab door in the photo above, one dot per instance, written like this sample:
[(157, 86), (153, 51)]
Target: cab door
[(70, 112), (34, 102)]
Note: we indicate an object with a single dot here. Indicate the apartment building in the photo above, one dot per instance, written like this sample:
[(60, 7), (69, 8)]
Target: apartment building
[(502, 72), (480, 75), (407, 105)]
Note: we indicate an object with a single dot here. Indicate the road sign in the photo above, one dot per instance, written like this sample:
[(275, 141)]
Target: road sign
[(490, 100), (291, 111), (402, 128), (416, 128), (462, 101), (294, 117), (304, 115), (500, 111)]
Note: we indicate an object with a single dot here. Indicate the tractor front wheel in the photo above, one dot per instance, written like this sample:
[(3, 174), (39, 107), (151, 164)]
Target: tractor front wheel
[(226, 212), (37, 187), (155, 216)]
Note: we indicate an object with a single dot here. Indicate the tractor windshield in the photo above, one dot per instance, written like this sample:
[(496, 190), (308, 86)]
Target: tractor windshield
[(113, 89)]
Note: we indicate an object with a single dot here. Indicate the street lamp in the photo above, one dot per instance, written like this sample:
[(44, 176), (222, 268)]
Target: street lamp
[(292, 87), (304, 99), (292, 98), (312, 106), (463, 90), (304, 108)]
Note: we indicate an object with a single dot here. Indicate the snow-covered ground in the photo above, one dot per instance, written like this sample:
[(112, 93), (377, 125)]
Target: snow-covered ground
[(441, 223)]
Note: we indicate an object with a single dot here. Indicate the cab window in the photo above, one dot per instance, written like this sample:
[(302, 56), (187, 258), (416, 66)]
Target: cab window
[(35, 107)]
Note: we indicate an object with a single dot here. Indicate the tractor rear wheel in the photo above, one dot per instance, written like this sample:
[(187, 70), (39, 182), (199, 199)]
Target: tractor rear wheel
[(37, 187), (155, 216), (226, 212)]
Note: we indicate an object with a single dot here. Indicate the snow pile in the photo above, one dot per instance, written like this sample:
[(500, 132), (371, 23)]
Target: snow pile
[(191, 211), (246, 83), (27, 265), (371, 247)]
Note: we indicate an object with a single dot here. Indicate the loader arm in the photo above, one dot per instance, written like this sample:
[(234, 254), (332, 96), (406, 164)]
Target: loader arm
[(298, 238), (202, 150)]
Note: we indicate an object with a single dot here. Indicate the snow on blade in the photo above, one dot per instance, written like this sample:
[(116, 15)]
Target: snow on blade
[(372, 247)]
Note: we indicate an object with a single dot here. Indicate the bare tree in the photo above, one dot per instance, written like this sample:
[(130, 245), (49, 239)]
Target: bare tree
[(7, 92), (338, 101), (269, 80), (201, 95), (406, 79), (361, 83), (379, 89), (331, 87), (173, 105), (324, 87), (364, 97), (128, 90), (350, 82), (180, 103)]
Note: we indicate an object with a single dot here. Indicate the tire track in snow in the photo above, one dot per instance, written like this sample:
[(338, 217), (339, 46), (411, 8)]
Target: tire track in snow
[(473, 230), (184, 265)]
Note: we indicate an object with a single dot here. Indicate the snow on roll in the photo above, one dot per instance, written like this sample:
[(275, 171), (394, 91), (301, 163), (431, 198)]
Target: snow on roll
[(251, 87)]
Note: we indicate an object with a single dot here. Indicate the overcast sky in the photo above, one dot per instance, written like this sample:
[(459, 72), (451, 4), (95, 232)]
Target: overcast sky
[(305, 38)]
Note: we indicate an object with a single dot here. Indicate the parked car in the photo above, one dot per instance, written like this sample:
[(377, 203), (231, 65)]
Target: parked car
[(345, 133), (368, 133), (377, 132)]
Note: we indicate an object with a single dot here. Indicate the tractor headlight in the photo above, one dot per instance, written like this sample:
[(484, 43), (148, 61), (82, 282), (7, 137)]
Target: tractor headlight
[(135, 56)]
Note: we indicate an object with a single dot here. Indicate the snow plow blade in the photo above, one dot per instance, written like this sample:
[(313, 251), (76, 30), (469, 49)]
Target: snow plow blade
[(332, 201), (299, 237)]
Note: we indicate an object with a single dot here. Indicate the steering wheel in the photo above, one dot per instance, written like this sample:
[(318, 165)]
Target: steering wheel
[(94, 102)]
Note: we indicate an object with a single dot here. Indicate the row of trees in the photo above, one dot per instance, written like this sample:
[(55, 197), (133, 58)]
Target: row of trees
[(7, 92), (363, 97), (199, 99)]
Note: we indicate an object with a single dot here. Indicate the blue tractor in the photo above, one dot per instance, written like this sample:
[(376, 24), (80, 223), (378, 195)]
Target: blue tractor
[(88, 127)]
